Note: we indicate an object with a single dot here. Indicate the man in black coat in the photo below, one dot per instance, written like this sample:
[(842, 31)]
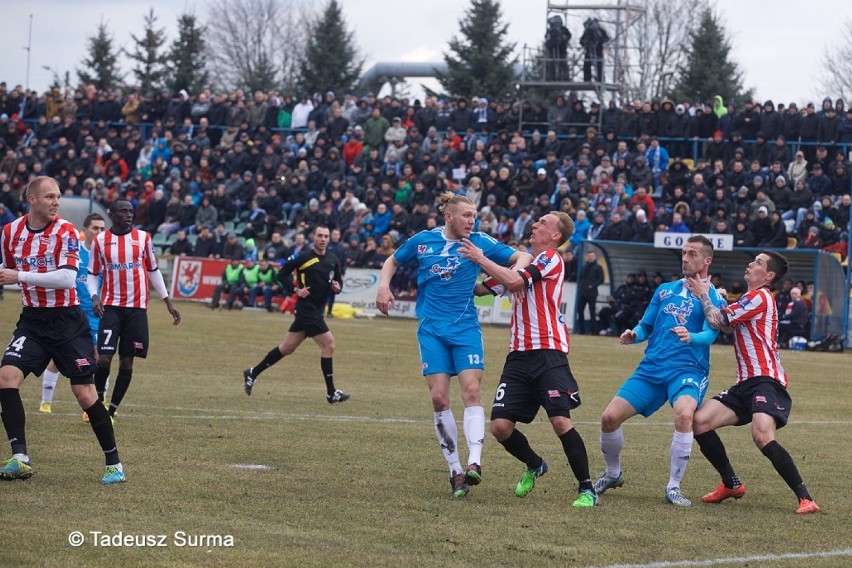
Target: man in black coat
[(591, 277)]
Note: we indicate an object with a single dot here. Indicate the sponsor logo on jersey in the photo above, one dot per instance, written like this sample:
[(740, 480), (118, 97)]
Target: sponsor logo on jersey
[(680, 313), (34, 261), (743, 301), (446, 270)]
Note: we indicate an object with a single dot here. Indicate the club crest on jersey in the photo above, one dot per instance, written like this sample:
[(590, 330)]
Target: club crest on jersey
[(680, 313), (664, 293), (744, 302), (73, 244), (421, 249), (189, 277), (446, 270)]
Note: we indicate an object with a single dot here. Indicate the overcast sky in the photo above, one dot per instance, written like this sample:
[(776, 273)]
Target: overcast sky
[(777, 44)]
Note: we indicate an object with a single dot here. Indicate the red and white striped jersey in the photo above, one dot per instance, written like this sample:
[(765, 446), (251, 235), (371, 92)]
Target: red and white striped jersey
[(537, 322), (754, 318), (123, 263), (56, 247)]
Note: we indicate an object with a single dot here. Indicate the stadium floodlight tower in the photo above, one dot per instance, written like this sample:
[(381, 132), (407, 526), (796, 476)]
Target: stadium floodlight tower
[(594, 63)]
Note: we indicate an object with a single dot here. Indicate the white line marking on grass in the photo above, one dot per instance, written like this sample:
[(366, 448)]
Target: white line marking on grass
[(739, 560), (251, 466)]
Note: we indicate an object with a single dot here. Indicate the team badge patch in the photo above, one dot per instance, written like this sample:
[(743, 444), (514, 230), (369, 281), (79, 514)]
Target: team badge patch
[(760, 399), (73, 244), (421, 249), (553, 393)]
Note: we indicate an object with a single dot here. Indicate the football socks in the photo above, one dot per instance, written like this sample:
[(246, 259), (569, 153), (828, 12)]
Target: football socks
[(14, 419), (714, 450), (611, 445), (474, 432), (783, 464), (447, 433), (578, 459), (518, 445), (48, 385), (122, 383), (101, 424), (327, 374), (271, 358), (679, 453)]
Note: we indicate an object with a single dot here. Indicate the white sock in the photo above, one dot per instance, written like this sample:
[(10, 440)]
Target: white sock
[(611, 445), (474, 433), (680, 450), (448, 434), (106, 388), (48, 385), (23, 457)]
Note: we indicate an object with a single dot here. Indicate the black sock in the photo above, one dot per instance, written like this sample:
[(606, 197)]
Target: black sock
[(14, 419), (102, 427), (518, 445), (122, 383), (714, 450), (271, 358), (783, 464), (578, 459), (327, 373), (101, 376)]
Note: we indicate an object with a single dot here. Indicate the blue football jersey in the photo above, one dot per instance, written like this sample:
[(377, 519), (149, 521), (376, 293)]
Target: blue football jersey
[(671, 306), (82, 275), (445, 279)]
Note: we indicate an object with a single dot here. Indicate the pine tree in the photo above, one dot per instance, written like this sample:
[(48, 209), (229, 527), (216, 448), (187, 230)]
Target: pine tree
[(150, 69), (101, 66), (331, 60), (480, 63), (708, 69), (188, 60)]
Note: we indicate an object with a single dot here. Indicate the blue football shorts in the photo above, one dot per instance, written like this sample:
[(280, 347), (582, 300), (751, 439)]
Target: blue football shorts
[(449, 349), (648, 391)]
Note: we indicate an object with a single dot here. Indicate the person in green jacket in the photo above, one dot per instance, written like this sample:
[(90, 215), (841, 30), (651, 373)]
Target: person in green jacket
[(232, 276), (719, 106)]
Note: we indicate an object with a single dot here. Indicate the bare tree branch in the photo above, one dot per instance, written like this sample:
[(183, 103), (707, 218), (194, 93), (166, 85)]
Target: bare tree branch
[(254, 43), (836, 65)]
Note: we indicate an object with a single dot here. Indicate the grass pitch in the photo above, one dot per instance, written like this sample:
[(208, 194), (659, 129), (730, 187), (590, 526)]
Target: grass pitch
[(282, 478)]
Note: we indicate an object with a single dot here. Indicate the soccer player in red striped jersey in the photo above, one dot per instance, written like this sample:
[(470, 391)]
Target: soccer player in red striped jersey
[(124, 259), (40, 252), (760, 394), (536, 373)]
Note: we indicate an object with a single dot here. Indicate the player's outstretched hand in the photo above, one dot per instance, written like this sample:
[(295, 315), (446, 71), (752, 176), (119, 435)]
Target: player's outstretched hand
[(628, 337)]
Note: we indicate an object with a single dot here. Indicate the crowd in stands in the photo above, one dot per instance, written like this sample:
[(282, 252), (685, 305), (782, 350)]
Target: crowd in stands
[(272, 166)]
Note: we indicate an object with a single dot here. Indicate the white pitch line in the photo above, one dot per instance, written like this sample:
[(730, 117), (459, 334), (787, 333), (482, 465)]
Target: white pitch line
[(212, 414), (739, 560)]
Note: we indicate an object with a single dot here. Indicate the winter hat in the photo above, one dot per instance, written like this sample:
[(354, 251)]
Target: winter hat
[(763, 210)]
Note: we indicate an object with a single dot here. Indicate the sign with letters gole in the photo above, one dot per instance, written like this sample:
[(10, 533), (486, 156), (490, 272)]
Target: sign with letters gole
[(677, 240)]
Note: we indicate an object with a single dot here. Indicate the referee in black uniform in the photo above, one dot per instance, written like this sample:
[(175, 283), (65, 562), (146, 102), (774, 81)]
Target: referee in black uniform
[(318, 273)]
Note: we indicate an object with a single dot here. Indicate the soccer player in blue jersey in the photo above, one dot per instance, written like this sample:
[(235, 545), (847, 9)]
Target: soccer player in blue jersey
[(449, 335), (93, 225), (675, 369)]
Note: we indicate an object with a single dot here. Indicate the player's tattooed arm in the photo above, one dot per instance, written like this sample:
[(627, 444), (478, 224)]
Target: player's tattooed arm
[(714, 315)]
